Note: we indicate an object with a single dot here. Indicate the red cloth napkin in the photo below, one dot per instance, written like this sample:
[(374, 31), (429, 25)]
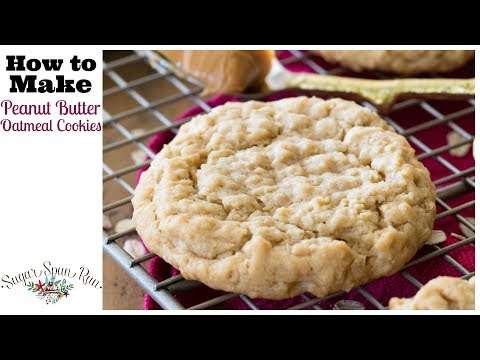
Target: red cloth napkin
[(385, 288)]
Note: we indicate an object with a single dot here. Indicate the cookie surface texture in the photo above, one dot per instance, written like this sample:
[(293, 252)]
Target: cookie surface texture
[(406, 62), (441, 293), (280, 198)]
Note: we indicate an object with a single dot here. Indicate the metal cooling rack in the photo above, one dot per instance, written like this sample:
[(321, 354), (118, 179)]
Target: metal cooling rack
[(459, 181)]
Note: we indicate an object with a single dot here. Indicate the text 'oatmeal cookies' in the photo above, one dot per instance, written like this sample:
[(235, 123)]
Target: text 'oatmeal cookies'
[(280, 198)]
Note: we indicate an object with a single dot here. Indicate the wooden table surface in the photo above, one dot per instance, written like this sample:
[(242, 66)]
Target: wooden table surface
[(120, 292)]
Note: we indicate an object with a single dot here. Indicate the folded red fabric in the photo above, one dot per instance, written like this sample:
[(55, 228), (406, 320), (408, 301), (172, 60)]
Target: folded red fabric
[(385, 288)]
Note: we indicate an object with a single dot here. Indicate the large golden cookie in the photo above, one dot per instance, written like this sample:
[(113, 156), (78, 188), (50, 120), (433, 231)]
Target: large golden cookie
[(280, 198)]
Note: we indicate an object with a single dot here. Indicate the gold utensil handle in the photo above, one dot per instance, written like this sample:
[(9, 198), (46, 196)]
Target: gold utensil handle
[(384, 93)]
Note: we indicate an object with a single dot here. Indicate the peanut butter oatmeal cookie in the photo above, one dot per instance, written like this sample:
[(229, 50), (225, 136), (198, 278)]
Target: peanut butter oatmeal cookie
[(406, 62), (441, 293), (279, 198)]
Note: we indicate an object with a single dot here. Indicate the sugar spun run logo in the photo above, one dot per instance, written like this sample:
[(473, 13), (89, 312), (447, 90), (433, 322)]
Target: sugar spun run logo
[(50, 283)]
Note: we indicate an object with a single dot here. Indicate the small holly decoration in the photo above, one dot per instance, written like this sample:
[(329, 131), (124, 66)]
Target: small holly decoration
[(52, 290)]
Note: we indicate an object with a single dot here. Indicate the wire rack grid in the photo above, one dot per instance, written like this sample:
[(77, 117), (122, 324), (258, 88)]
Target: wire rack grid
[(154, 110)]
